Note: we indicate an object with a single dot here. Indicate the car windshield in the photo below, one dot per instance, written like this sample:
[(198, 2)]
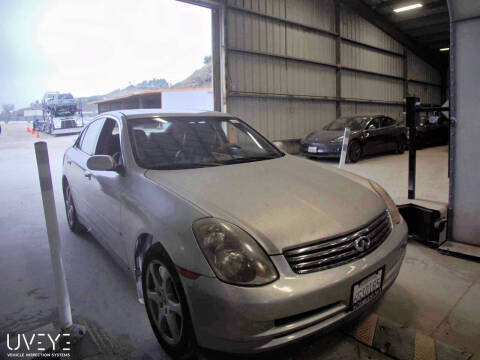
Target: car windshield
[(190, 142), (65, 96), (354, 123)]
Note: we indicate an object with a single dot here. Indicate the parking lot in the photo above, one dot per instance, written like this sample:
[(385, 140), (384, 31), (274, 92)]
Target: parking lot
[(104, 298)]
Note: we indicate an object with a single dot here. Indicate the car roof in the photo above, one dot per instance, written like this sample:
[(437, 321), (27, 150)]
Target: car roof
[(141, 113), (366, 116)]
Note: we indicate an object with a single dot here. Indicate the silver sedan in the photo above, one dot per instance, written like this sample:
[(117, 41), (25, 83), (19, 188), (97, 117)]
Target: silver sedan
[(233, 245)]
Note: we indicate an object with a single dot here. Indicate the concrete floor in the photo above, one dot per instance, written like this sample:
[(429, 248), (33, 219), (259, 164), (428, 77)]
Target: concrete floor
[(436, 294), (391, 171)]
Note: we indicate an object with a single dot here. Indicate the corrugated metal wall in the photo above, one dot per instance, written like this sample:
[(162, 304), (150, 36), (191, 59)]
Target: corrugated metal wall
[(419, 70), (281, 66)]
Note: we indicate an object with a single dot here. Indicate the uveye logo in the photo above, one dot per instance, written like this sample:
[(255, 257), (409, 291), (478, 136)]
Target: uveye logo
[(39, 345)]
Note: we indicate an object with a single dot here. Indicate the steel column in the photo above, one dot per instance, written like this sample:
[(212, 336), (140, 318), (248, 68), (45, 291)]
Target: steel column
[(410, 103)]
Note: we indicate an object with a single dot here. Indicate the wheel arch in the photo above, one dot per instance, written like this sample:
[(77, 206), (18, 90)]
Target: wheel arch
[(143, 245)]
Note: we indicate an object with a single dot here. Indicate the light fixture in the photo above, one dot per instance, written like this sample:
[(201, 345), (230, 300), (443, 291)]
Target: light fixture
[(444, 49), (408, 7)]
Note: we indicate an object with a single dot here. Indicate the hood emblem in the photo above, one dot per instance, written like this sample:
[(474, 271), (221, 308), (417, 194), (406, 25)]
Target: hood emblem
[(362, 243)]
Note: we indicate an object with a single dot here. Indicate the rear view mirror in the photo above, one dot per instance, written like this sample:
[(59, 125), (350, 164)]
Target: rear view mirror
[(101, 163)]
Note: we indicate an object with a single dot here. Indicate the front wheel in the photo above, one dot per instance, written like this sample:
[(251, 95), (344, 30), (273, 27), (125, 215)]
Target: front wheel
[(354, 152), (401, 146), (72, 219), (166, 305)]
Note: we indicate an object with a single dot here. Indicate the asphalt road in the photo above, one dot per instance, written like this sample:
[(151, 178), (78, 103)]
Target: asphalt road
[(100, 290)]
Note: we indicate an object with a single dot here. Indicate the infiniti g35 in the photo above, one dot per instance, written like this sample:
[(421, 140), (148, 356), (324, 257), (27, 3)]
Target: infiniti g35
[(233, 245)]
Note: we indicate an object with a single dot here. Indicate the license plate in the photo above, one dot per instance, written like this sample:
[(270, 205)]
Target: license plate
[(367, 289), (312, 149)]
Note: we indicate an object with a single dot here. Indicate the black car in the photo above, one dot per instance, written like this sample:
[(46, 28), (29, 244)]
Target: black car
[(370, 134), (432, 130)]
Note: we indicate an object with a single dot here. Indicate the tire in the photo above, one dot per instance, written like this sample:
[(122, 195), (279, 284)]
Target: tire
[(72, 219), (401, 146), (166, 304), (354, 152)]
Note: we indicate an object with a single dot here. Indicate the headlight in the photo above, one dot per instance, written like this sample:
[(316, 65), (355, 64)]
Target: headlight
[(79, 122), (234, 256), (392, 208), (57, 123)]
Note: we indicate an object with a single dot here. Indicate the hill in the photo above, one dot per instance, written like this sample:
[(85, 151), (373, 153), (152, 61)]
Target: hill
[(199, 79)]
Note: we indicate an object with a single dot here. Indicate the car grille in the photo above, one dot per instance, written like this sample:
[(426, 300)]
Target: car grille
[(68, 124), (331, 252)]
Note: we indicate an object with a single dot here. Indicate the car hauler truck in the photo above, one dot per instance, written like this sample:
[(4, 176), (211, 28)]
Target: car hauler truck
[(60, 114)]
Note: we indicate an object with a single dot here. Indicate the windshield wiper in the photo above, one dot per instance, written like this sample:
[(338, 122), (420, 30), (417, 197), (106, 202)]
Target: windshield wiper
[(185, 166), (250, 159)]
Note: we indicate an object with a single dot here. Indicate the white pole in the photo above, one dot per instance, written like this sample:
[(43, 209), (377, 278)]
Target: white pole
[(343, 155), (63, 299)]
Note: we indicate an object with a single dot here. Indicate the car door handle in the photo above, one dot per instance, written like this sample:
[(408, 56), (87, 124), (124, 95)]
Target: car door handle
[(88, 175)]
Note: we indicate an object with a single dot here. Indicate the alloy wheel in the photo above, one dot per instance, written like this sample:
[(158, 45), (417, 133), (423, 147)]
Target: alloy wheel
[(164, 302), (354, 152), (69, 206)]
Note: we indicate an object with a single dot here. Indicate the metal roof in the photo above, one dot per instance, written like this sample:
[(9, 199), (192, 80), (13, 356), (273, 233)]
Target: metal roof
[(428, 26)]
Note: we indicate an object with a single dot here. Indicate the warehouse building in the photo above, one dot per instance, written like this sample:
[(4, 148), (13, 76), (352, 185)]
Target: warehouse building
[(191, 98), (240, 241)]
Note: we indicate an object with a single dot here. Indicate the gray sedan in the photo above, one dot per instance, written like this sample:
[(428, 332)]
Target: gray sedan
[(370, 134), (233, 245)]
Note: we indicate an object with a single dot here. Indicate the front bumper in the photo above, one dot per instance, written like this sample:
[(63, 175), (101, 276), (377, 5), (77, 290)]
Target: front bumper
[(323, 150), (252, 319), (74, 130)]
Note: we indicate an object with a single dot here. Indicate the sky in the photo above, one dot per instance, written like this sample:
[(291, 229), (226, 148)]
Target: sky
[(92, 47)]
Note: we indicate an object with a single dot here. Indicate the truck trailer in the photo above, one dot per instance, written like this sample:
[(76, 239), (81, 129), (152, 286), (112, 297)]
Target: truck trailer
[(60, 114)]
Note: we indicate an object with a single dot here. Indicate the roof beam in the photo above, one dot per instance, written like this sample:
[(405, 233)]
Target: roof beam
[(366, 12)]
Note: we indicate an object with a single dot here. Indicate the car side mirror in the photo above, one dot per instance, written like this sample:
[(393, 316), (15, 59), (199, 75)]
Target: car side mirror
[(101, 163)]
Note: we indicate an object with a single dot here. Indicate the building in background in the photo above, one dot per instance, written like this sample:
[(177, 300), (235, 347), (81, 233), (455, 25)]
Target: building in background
[(190, 98)]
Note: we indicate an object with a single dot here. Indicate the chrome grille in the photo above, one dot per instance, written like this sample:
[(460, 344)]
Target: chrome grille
[(336, 251), (68, 124)]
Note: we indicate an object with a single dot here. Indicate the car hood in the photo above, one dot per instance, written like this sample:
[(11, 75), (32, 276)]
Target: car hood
[(323, 136), (282, 202)]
